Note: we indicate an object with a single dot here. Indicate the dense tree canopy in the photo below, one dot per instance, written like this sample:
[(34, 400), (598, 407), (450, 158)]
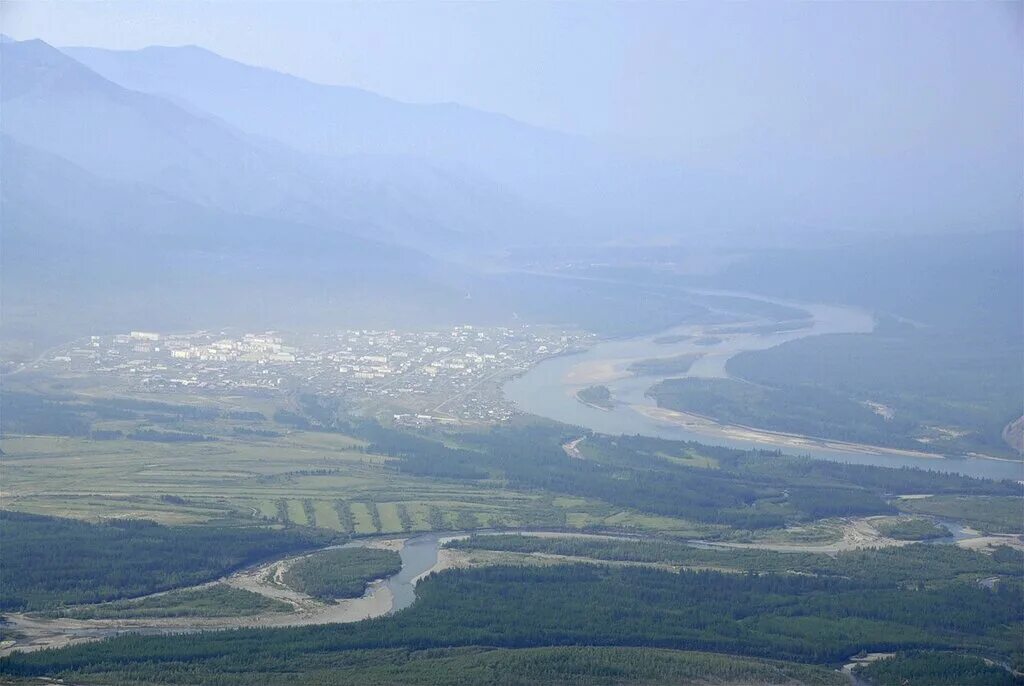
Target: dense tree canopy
[(48, 561)]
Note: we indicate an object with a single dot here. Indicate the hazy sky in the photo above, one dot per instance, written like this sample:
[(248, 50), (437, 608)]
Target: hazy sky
[(937, 85)]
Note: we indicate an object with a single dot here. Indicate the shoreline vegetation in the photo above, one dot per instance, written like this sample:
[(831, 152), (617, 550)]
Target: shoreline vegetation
[(212, 600), (665, 366), (330, 575), (871, 599), (790, 410), (735, 504), (793, 408), (701, 424), (636, 374), (596, 396), (912, 529), (128, 558), (257, 597)]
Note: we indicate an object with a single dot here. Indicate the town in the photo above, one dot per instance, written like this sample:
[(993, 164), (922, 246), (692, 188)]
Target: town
[(421, 377)]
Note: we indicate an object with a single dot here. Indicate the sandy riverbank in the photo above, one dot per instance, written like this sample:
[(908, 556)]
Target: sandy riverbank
[(856, 534), (37, 633), (988, 542), (861, 533), (595, 372), (704, 425)]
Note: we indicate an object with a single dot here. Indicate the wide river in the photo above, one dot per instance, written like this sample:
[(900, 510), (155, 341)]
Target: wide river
[(549, 390)]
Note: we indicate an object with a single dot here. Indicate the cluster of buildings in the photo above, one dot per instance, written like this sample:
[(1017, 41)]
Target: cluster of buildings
[(424, 376)]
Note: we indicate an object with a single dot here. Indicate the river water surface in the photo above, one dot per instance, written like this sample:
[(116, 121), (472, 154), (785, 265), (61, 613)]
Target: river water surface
[(419, 555), (549, 390)]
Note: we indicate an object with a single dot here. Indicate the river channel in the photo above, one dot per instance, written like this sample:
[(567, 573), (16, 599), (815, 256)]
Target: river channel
[(420, 555), (549, 390)]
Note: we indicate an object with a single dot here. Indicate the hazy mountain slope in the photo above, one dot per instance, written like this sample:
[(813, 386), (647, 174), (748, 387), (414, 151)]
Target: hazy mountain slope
[(47, 198), (83, 254), (598, 193), (122, 217), (335, 119), (79, 250), (54, 103), (772, 193), (433, 207)]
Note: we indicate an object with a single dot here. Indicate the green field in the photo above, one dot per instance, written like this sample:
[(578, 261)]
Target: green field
[(241, 477), (293, 490)]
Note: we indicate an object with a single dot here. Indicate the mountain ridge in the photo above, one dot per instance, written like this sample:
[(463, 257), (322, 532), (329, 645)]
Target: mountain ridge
[(54, 103), (592, 191)]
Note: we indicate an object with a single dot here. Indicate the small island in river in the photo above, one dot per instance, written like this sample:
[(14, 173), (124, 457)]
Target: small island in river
[(672, 338), (598, 396), (665, 366)]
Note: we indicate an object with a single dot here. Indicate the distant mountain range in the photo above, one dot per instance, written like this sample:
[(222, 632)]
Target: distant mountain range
[(122, 207), (571, 186), (57, 104), (174, 186)]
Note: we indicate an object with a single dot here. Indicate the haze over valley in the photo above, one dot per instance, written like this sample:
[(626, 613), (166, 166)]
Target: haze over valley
[(522, 344)]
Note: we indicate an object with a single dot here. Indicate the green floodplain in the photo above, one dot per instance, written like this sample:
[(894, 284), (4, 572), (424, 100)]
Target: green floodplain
[(784, 594)]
